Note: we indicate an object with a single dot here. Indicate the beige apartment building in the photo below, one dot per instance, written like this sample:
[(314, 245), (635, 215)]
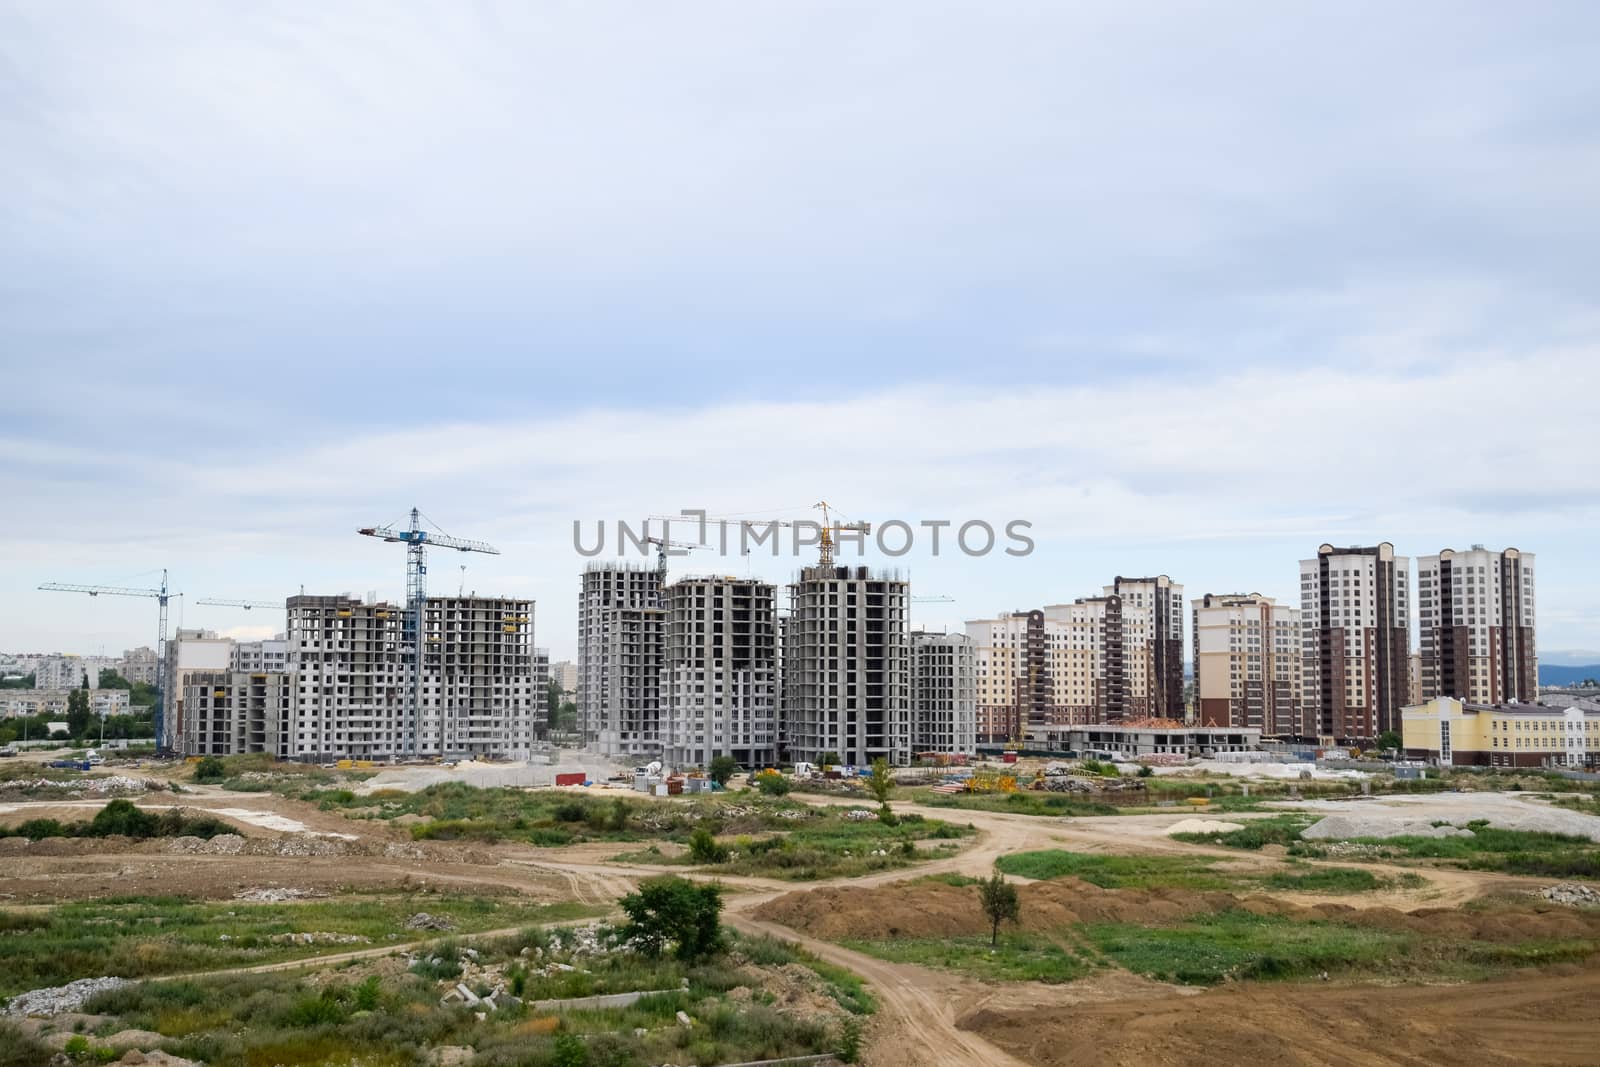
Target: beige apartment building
[(1248, 665), (1477, 626), (1111, 658)]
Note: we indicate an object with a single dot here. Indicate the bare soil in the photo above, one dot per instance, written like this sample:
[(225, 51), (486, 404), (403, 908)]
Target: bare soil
[(1548, 1018)]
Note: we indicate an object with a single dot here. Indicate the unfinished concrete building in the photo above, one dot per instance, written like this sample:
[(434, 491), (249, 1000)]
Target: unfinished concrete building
[(621, 649), (944, 696), (483, 683), (847, 669), (352, 690), (228, 713), (719, 687)]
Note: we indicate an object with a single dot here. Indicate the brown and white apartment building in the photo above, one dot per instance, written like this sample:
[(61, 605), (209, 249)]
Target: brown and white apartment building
[(1105, 659), (1355, 624), (1476, 612)]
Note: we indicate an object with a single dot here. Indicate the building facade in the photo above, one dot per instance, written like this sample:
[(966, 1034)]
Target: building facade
[(1459, 733), (483, 682), (138, 666), (1355, 618), (231, 712), (847, 669), (621, 649), (719, 684), (944, 695), (1110, 658), (1476, 611), (1248, 665), (30, 702)]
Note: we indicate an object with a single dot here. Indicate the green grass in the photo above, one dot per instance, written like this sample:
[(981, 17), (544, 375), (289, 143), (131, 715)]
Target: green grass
[(140, 937), (1326, 880), (828, 846), (1239, 945), (1020, 957), (1236, 945), (1526, 852), (1120, 872)]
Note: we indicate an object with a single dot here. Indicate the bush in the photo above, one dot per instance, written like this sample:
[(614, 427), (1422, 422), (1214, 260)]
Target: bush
[(723, 768), (772, 784), (703, 847), (210, 769), (668, 910), (122, 818)]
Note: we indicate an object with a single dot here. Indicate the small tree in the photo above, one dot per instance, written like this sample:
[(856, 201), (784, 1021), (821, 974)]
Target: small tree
[(722, 770), (999, 899), (668, 910), (78, 713), (1389, 739), (772, 783), (880, 781), (827, 760), (210, 769)]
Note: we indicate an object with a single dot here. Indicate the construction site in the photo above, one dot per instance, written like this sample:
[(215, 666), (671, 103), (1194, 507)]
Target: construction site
[(1197, 917)]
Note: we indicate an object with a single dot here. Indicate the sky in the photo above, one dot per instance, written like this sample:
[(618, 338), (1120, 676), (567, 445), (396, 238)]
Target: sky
[(1191, 288)]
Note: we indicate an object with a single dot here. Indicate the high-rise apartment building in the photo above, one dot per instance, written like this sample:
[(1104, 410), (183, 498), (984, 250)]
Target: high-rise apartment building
[(189, 652), (231, 712), (1105, 659), (621, 648), (847, 670), (719, 685), (483, 682), (352, 689), (1355, 618), (1248, 665), (1477, 626), (944, 699)]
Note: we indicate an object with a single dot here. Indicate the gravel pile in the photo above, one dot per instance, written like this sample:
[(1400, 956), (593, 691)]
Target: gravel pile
[(1530, 817), (271, 894), (69, 997), (1574, 894), (423, 921), (1342, 827)]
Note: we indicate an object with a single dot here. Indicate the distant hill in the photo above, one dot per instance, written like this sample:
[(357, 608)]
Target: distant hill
[(1556, 674)]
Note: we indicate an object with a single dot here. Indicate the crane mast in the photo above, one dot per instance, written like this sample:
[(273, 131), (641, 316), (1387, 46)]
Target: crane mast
[(417, 540)]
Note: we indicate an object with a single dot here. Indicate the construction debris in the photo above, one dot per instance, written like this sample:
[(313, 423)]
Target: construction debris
[(1572, 894), (423, 921), (58, 999)]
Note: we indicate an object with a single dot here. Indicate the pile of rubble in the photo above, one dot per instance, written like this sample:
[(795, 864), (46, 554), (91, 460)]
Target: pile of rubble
[(858, 814), (318, 937), (1572, 894), (110, 785), (294, 845), (423, 921), (272, 894), (59, 999)]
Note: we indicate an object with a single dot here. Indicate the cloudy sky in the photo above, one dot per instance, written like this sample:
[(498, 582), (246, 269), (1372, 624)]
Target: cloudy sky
[(1192, 288)]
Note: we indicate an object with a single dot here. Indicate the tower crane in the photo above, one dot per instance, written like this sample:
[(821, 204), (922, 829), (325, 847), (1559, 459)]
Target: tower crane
[(161, 596), (825, 545), (662, 544), (247, 605), (417, 540)]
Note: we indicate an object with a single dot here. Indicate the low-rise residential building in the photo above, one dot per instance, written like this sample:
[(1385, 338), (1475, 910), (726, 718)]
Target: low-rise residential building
[(15, 703), (1453, 732), (944, 701), (1156, 737)]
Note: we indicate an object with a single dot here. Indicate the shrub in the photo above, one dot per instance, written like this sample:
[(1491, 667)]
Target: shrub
[(210, 769), (703, 847), (38, 829), (122, 818), (722, 769), (772, 784), (671, 910)]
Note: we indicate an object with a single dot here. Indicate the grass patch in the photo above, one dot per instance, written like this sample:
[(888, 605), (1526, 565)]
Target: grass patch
[(1020, 957), (1236, 944), (122, 818), (141, 937), (1326, 880), (1119, 872)]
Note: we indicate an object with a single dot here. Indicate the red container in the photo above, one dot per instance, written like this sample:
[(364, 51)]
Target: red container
[(1008, 757), (576, 778)]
